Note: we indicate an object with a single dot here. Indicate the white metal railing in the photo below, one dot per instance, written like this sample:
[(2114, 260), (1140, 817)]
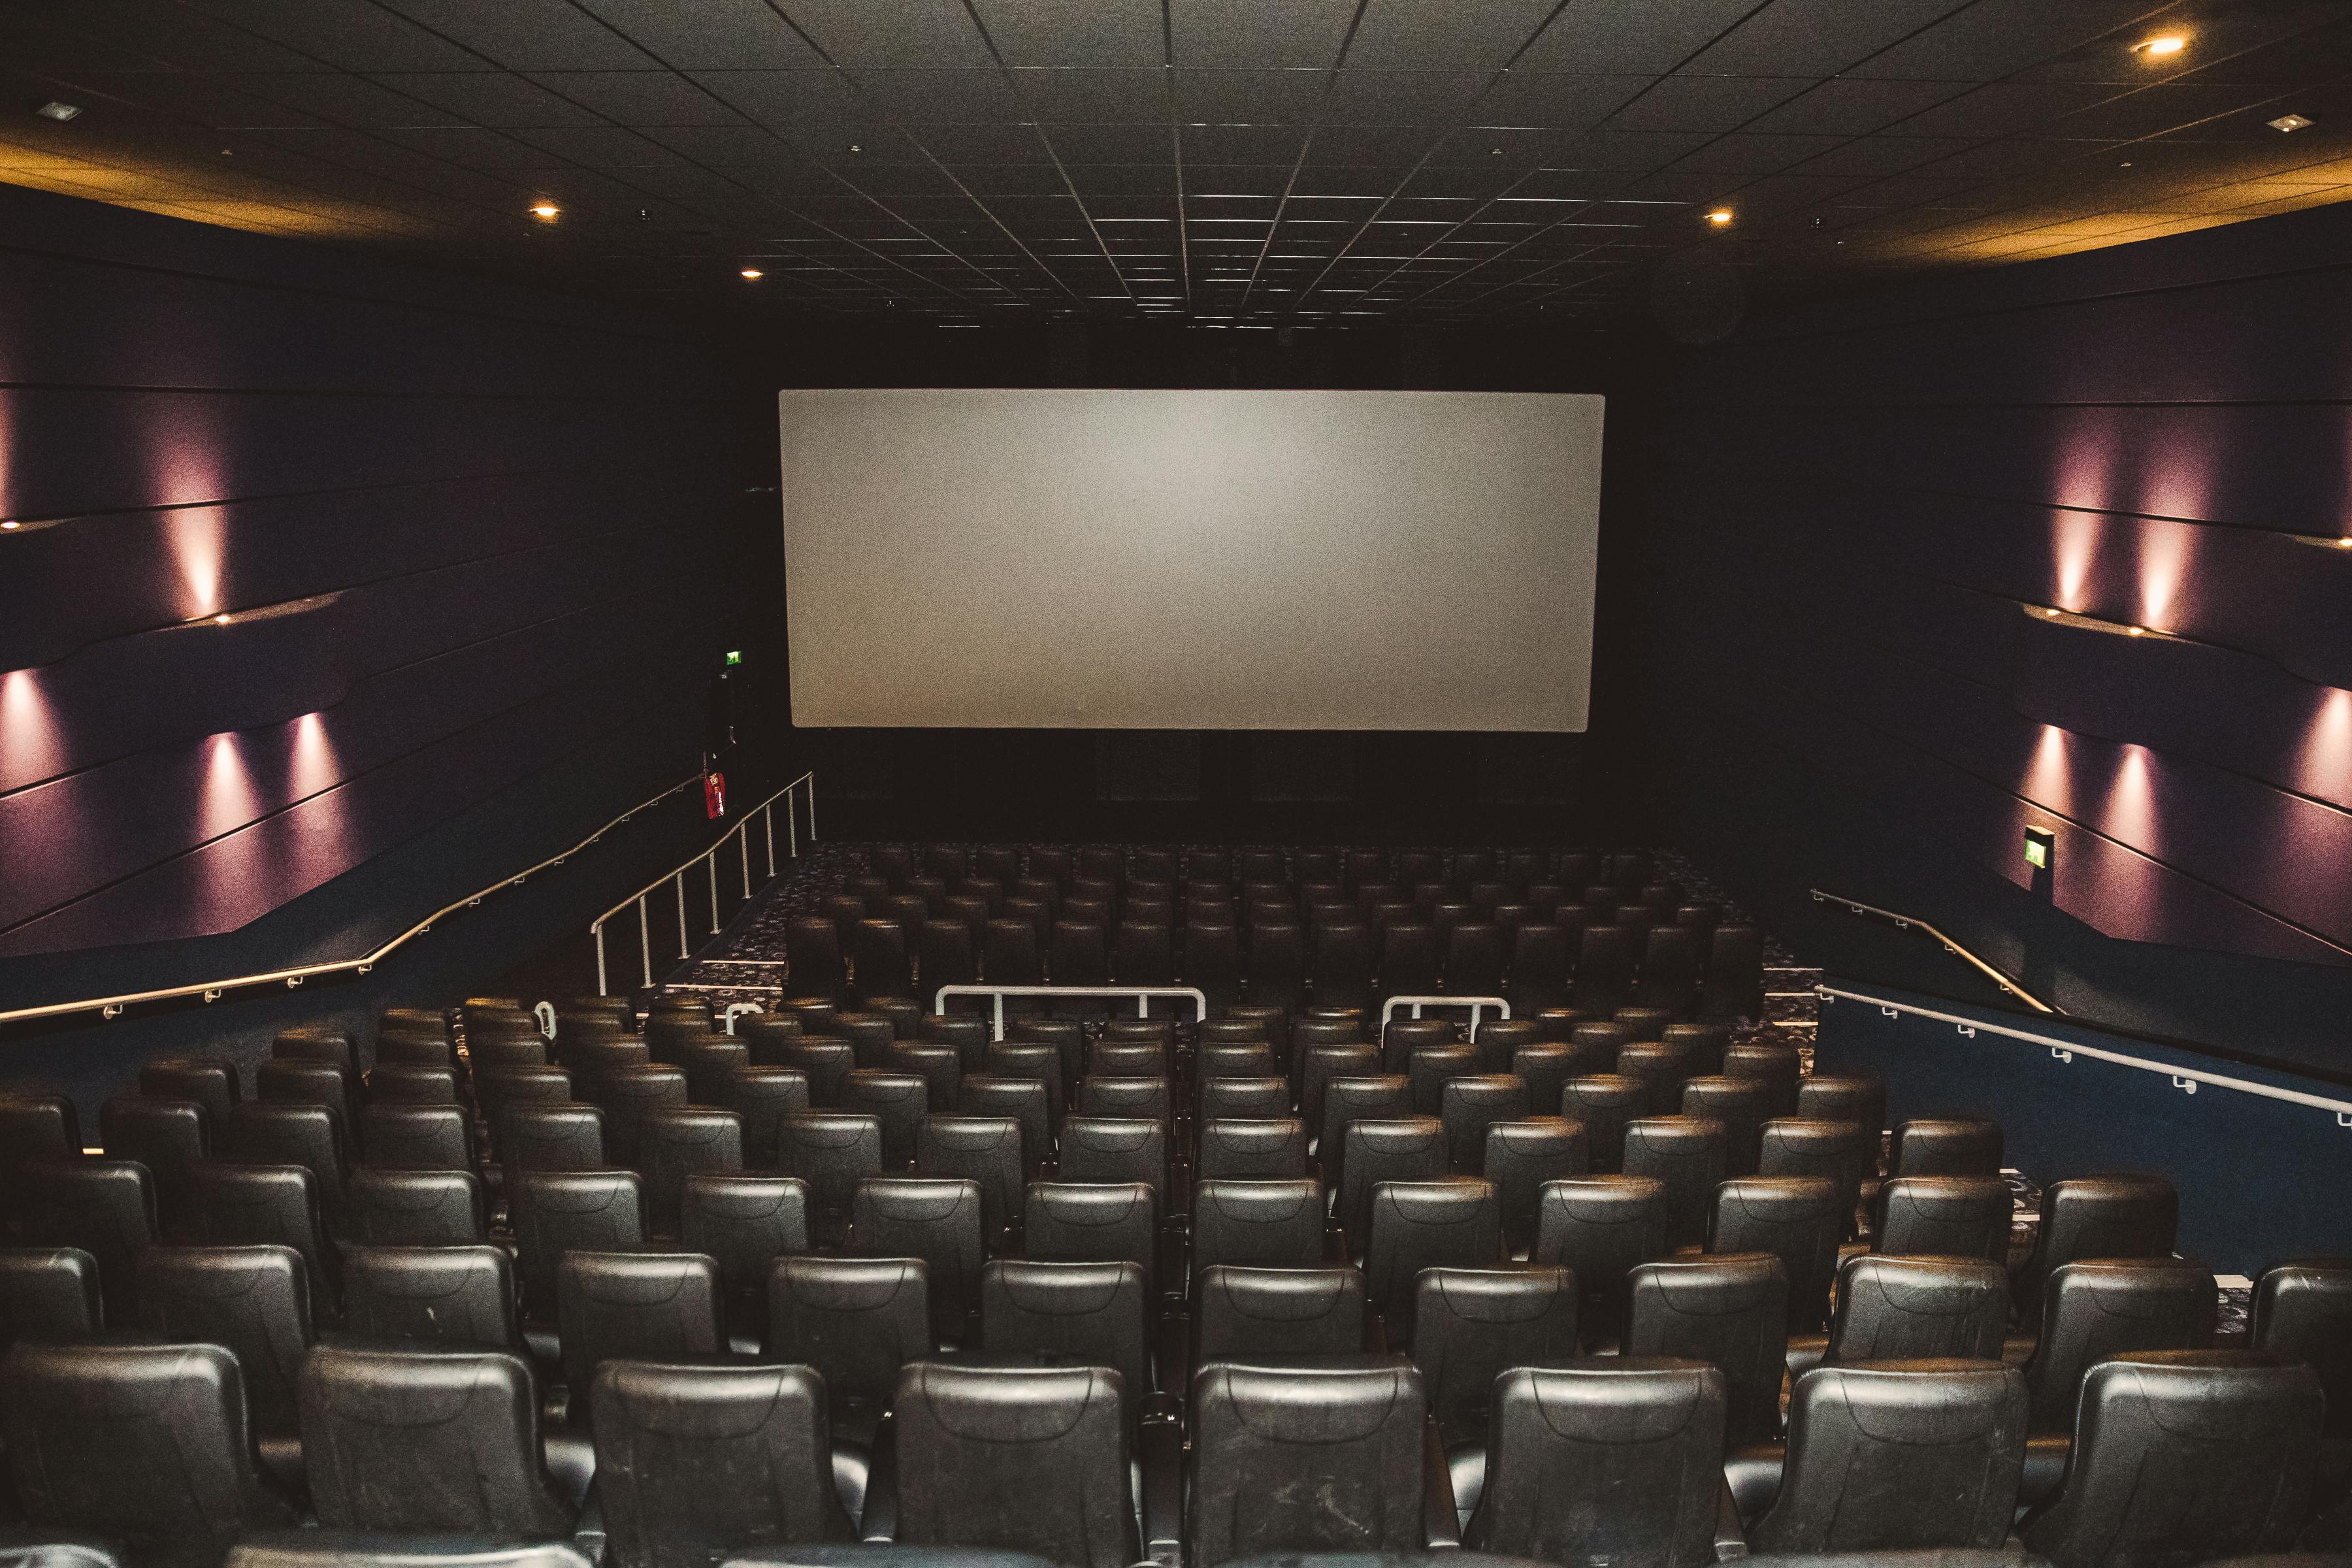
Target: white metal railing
[(1476, 1004), (2184, 1078), (804, 787), (1908, 922), (214, 990), (1142, 994)]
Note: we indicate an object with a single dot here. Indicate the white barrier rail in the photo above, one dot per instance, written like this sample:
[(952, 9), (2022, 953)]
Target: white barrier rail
[(1142, 994), (1476, 1004), (803, 787)]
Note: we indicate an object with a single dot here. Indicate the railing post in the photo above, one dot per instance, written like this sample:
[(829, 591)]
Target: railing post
[(768, 821), (999, 1032), (597, 931), (684, 947), (812, 800), (792, 823), (743, 843), (645, 942), (710, 863)]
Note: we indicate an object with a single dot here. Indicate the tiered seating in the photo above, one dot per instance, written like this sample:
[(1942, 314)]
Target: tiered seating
[(1118, 1287)]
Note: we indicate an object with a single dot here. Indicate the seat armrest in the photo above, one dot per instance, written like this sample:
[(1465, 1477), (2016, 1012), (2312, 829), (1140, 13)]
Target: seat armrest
[(878, 1520), (1171, 1356), (1730, 1543), (1174, 1267), (1160, 1453), (588, 1531), (1440, 1525)]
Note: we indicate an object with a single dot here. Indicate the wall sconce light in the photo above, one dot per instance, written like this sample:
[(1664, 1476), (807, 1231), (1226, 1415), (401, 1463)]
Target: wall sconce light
[(2040, 848), (2093, 624), (1720, 216), (60, 112), (2289, 123), (546, 212), (2161, 46), (753, 275)]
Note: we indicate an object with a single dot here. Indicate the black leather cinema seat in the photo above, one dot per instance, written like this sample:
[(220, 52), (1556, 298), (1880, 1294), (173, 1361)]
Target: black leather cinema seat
[(211, 1081), (635, 1306), (1275, 1315), (277, 1205), (170, 1137), (1274, 1148), (1086, 1222), (2097, 1217), (445, 1296), (1909, 1308), (936, 1219), (553, 1212), (2103, 1307), (146, 1445), (743, 1223), (103, 1207), (1312, 1459), (1471, 1104), (677, 1141), (1069, 1314), (1731, 1311), (255, 1302), (440, 1440), (1116, 1150), (695, 1463), (1687, 1155), (391, 1549), (831, 1151), (1798, 1220), (856, 1321), (986, 1149), (542, 1136), (1031, 1460), (2303, 1310), (1520, 1158), (1470, 1325), (1607, 1461), (1598, 1228), (1947, 1146), (47, 1294), (414, 1208), (32, 1127), (1943, 1217), (1603, 1103), (1454, 1223), (1260, 1223), (2181, 1458), (403, 1135), (289, 1132), (1898, 1455)]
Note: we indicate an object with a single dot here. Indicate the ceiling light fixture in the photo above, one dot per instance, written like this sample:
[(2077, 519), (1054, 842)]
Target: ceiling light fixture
[(2289, 123), (2093, 624), (753, 274), (546, 212), (1720, 216), (60, 112), (11, 525), (220, 620), (2156, 47)]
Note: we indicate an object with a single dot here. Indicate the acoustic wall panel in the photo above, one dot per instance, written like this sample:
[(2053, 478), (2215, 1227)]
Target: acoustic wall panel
[(1191, 559)]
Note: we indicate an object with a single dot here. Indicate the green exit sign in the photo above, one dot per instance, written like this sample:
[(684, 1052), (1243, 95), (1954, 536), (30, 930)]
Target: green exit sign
[(2039, 842), (734, 656)]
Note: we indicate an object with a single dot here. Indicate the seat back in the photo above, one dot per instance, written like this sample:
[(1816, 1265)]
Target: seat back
[(1268, 1224), (1025, 1459), (1273, 1315), (1942, 1217), (1117, 1150), (1472, 1103), (763, 1096), (1687, 1155), (289, 1132), (1471, 1324), (440, 1440), (1598, 1228), (170, 1137), (743, 1223), (2101, 1308), (1947, 1146), (254, 1300), (1617, 1460), (636, 1306), (416, 1208), (1731, 1311), (403, 1135), (266, 1205), (936, 1219), (1521, 1157), (1743, 1105), (832, 1150), (854, 1321), (144, 1444), (1899, 1455), (542, 1136), (2303, 1310), (457, 1296), (1603, 1104), (555, 1212), (1268, 1148), (105, 1208), (2098, 1217), (1388, 1149), (1094, 1223), (1070, 1314), (1914, 1309), (1798, 1219), (987, 1149), (1844, 1151), (1306, 1461), (2184, 1456), (1456, 1222), (695, 1464), (677, 1141), (48, 1293), (210, 1081)]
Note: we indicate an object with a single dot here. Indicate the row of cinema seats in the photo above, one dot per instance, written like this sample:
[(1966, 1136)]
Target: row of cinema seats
[(1130, 1243), (1333, 928)]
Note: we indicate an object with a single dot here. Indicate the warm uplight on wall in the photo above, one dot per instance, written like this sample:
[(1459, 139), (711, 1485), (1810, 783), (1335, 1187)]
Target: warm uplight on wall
[(546, 212), (2163, 45), (2322, 541), (1720, 216)]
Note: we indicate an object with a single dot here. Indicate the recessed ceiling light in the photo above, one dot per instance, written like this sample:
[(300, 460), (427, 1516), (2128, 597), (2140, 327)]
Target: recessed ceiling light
[(2288, 123), (2165, 44), (53, 109), (1720, 216), (753, 273), (857, 147), (546, 212)]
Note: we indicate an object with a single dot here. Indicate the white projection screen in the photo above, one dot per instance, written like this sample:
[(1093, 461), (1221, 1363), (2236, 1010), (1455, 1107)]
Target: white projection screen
[(1191, 559)]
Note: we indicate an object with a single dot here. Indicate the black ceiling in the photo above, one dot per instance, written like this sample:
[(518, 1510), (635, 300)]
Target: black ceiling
[(1245, 160)]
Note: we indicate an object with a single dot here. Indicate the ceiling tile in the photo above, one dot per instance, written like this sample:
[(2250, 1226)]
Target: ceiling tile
[(942, 95), (1390, 98), (708, 34), (897, 33), (1649, 37), (1550, 98), (640, 98), (1089, 93), (2004, 109), (1250, 97), (1413, 35), (1746, 152), (1075, 32), (1850, 105), (1995, 38), (1705, 103), (528, 35), (1253, 33), (488, 98), (1818, 38)]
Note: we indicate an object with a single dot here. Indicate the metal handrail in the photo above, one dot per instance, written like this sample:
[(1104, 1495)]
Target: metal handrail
[(1907, 922), (1142, 994), (740, 833), (214, 990), (1478, 1005), (2185, 1079)]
